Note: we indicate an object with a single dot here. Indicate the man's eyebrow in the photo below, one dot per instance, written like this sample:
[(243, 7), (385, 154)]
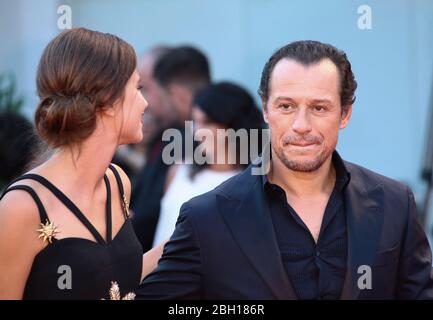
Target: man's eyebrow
[(283, 98), (310, 102), (321, 101)]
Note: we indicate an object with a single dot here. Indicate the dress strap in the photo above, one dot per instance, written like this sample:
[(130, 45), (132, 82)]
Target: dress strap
[(42, 213), (23, 177), (108, 210), (124, 201), (68, 203)]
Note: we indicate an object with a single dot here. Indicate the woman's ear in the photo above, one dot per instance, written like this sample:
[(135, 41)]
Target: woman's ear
[(345, 116)]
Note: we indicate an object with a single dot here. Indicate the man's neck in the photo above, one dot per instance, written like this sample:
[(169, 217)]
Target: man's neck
[(300, 184)]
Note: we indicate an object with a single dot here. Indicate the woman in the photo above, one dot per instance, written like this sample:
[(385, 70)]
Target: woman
[(218, 107), (65, 231)]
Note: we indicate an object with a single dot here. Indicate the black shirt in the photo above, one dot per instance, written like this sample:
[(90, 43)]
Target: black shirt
[(316, 271)]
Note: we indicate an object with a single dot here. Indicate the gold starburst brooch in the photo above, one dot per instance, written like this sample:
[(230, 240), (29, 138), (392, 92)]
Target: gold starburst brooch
[(48, 231), (115, 293)]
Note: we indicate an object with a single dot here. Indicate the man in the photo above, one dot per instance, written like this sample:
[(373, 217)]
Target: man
[(157, 117), (170, 79), (159, 103), (314, 226), (148, 184), (182, 72)]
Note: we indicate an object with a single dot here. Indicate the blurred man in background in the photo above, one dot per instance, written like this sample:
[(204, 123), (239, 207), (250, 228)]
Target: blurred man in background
[(170, 79), (182, 72), (157, 117)]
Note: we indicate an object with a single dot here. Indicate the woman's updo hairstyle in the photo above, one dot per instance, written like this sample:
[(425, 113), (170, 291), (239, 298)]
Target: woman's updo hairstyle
[(80, 72)]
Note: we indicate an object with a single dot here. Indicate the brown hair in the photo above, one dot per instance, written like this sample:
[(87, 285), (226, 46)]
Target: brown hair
[(309, 52), (80, 72)]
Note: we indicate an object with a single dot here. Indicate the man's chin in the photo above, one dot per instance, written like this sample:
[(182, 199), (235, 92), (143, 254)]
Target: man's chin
[(303, 163), (302, 157), (304, 167)]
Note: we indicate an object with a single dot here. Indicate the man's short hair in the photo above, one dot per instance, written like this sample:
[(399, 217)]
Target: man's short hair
[(184, 65), (307, 53), (156, 53)]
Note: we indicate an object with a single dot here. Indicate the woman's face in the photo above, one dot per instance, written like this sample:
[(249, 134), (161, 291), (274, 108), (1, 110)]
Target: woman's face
[(150, 126), (130, 113), (205, 130)]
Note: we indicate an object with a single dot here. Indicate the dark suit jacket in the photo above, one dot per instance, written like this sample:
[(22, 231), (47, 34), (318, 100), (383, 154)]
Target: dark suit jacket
[(224, 245), (147, 191)]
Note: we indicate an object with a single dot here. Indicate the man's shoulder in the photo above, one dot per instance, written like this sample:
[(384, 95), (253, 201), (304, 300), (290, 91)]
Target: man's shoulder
[(233, 188), (369, 179)]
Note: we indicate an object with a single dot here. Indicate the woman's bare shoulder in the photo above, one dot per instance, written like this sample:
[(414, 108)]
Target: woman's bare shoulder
[(19, 219)]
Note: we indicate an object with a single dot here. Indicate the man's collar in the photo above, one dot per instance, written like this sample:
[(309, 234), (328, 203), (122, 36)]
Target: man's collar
[(341, 173)]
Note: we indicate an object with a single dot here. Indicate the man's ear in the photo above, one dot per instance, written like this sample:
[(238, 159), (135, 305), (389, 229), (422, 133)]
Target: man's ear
[(265, 111), (345, 116)]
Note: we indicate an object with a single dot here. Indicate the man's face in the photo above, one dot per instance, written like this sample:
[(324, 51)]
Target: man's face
[(180, 97), (154, 94), (304, 113)]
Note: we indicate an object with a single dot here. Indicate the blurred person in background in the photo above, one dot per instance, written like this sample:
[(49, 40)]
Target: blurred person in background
[(220, 107), (171, 78), (158, 117), (18, 144), (159, 104), (182, 72)]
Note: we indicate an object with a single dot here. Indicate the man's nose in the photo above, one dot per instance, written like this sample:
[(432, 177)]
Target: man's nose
[(301, 124)]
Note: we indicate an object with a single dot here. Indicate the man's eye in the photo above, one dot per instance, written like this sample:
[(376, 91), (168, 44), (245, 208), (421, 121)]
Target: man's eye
[(140, 88), (319, 108), (285, 106)]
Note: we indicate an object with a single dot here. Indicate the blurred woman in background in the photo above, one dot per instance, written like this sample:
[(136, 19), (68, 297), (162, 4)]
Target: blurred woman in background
[(220, 106)]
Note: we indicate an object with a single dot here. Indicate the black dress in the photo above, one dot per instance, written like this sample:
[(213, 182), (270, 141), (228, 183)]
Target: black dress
[(78, 268)]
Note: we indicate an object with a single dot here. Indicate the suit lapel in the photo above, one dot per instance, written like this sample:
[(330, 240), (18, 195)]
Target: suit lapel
[(250, 223), (364, 225)]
